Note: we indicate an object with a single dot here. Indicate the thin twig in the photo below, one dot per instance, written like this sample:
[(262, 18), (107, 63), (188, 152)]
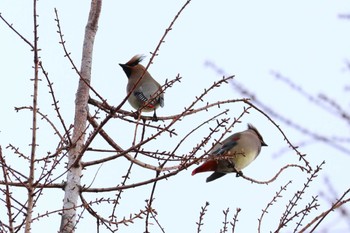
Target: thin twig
[(276, 175), (67, 54), (225, 222), (18, 33), (55, 104), (7, 192), (235, 220), (201, 217)]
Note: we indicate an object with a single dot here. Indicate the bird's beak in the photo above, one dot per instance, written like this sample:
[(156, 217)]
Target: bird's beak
[(263, 143), (126, 69)]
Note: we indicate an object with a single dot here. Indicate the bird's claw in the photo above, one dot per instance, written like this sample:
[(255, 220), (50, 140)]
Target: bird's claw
[(136, 115), (239, 173)]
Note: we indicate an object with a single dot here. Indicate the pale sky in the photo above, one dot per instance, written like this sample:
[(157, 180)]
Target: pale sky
[(305, 41)]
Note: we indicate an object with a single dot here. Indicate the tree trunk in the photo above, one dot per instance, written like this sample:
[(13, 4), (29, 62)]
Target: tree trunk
[(72, 187)]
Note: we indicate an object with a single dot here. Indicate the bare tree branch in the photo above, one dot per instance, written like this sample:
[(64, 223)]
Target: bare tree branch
[(30, 186), (339, 203)]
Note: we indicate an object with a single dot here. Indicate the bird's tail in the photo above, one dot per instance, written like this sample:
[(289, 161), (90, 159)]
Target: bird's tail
[(215, 176), (208, 166)]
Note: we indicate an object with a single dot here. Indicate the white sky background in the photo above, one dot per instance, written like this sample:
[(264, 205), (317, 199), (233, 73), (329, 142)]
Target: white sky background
[(303, 40)]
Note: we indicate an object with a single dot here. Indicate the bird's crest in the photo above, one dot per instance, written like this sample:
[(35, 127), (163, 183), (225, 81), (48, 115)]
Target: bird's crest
[(250, 126), (135, 60)]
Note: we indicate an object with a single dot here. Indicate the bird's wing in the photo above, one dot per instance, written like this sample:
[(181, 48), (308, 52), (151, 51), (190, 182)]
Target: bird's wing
[(139, 95), (144, 92), (142, 98), (227, 145)]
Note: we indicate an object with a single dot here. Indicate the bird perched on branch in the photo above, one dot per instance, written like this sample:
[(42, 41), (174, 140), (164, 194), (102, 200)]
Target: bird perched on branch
[(233, 154), (147, 94)]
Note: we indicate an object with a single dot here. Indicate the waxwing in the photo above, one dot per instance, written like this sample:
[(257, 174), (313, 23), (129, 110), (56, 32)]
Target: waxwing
[(233, 154), (145, 89)]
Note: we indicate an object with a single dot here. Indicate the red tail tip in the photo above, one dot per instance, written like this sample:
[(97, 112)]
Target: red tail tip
[(209, 165)]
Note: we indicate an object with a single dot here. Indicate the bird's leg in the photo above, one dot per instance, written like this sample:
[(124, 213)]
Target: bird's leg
[(154, 118), (232, 165)]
